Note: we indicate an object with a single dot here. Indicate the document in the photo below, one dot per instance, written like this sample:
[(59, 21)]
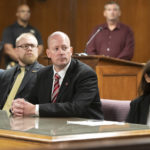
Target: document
[(95, 123)]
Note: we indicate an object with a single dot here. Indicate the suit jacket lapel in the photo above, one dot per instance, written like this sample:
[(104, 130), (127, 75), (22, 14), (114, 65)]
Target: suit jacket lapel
[(66, 82), (49, 84), (10, 78), (63, 87), (28, 77)]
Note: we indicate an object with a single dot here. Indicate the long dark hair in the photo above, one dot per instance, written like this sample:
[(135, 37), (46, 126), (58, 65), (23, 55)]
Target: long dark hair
[(144, 87)]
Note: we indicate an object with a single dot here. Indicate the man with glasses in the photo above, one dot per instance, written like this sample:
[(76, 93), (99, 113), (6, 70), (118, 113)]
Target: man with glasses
[(19, 80), (13, 31)]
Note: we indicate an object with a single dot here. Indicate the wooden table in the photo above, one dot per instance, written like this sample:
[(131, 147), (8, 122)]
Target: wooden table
[(68, 133)]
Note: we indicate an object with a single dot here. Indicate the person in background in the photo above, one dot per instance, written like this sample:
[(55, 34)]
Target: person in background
[(140, 107), (113, 38), (68, 88), (11, 33), (19, 80)]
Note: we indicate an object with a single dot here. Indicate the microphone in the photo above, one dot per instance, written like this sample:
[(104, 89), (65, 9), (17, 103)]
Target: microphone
[(93, 36)]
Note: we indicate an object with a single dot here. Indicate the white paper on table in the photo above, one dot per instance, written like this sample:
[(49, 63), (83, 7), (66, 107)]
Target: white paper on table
[(95, 123)]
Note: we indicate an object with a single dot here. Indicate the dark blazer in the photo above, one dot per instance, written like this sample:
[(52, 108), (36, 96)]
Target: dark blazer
[(139, 109), (1, 72), (78, 95), (25, 87)]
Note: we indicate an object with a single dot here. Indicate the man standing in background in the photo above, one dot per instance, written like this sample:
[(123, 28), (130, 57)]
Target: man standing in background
[(113, 38), (11, 33)]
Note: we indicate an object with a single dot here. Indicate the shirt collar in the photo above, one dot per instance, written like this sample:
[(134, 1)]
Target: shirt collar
[(27, 68), (17, 24), (105, 26), (62, 72)]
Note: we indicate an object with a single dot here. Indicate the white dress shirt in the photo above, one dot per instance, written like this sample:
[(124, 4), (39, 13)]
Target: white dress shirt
[(61, 73)]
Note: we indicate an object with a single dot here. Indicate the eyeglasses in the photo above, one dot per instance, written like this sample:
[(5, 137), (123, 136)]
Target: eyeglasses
[(26, 46)]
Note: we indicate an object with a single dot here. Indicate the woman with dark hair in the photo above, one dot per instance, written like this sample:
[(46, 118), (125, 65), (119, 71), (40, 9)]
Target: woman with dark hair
[(140, 108)]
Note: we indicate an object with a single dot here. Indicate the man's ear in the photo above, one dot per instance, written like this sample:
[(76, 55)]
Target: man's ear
[(48, 53), (71, 49), (104, 13)]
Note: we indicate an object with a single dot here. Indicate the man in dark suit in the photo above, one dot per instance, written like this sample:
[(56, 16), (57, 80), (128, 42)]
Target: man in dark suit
[(68, 88), (27, 52)]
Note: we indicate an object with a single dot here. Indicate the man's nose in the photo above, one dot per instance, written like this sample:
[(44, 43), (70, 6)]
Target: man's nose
[(29, 48), (61, 51)]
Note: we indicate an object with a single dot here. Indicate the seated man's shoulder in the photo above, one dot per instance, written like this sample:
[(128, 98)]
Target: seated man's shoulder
[(5, 75), (83, 68), (39, 66), (44, 69), (8, 71)]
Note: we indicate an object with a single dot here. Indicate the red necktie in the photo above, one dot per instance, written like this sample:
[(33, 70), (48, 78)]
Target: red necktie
[(56, 88)]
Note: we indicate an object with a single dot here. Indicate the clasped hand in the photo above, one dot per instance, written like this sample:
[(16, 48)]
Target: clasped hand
[(21, 108)]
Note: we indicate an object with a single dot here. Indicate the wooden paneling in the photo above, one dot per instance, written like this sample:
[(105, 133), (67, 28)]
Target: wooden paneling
[(118, 82), (135, 13), (52, 15), (7, 13)]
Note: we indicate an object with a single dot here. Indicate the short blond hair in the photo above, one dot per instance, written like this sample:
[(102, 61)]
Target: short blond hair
[(25, 35)]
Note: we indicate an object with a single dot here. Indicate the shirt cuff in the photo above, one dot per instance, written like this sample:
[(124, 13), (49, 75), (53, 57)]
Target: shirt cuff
[(37, 110), (37, 123)]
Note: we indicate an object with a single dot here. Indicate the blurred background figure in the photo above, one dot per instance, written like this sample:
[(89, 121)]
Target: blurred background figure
[(113, 38), (13, 31)]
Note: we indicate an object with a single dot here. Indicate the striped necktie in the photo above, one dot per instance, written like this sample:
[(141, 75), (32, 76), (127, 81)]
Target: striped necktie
[(56, 88), (14, 90)]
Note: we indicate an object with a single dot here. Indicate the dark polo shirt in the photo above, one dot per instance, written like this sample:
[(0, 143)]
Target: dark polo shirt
[(118, 43)]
